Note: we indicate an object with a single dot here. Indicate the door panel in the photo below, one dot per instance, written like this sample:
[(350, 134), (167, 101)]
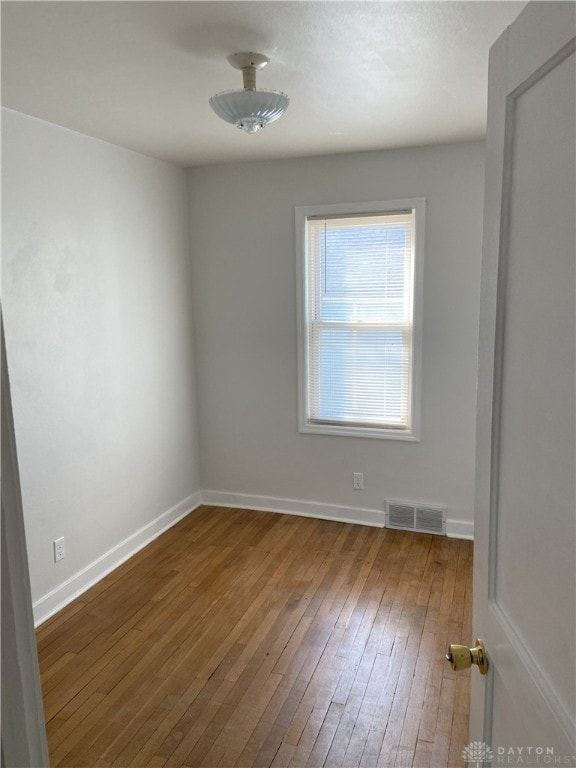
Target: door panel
[(534, 564), (525, 526)]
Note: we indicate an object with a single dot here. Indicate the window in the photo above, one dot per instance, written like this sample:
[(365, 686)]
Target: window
[(360, 316)]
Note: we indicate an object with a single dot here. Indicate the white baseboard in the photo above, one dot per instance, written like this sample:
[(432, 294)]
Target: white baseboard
[(457, 529), (460, 529), (335, 512), (64, 593)]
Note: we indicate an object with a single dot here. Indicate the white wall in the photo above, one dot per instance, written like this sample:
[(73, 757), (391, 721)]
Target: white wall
[(244, 305), (96, 301)]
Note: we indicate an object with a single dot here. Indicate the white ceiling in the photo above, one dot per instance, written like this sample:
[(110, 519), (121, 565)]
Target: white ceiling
[(360, 75)]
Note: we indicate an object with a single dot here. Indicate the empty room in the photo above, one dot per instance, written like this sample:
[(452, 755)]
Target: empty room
[(288, 384)]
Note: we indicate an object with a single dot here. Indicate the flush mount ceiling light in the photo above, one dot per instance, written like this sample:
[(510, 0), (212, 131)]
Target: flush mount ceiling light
[(250, 110)]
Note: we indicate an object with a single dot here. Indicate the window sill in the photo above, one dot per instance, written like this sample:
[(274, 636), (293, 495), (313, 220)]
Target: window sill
[(371, 432)]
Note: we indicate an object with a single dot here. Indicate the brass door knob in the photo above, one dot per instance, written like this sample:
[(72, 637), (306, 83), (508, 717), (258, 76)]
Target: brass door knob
[(462, 657)]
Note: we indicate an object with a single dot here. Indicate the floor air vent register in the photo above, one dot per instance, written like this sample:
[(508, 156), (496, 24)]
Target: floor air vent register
[(423, 518)]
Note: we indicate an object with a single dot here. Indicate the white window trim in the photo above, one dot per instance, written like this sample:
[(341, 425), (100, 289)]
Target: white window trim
[(418, 204)]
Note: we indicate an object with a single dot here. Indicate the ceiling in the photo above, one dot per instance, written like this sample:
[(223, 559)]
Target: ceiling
[(360, 75)]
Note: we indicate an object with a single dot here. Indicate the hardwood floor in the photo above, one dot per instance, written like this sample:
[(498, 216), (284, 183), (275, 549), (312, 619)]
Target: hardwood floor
[(243, 638)]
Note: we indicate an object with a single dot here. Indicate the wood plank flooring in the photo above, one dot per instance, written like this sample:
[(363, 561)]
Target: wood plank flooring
[(247, 639)]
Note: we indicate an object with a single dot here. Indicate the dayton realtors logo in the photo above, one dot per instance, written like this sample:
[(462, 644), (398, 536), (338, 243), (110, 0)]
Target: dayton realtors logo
[(478, 753), (528, 755)]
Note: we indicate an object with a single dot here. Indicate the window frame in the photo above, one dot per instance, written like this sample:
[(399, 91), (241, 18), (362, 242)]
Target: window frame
[(302, 213)]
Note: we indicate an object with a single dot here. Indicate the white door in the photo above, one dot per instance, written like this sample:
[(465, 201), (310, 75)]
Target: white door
[(525, 544)]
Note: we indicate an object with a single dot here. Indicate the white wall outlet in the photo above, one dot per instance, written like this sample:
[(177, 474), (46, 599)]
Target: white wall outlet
[(358, 481), (59, 549)]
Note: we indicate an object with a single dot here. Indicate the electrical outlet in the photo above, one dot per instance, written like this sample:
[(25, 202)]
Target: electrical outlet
[(59, 549), (358, 481)]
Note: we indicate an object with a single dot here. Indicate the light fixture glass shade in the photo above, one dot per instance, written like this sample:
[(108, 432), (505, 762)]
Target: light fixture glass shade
[(250, 110)]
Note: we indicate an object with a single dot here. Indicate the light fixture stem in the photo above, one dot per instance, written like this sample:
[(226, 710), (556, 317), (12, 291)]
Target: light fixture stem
[(249, 77)]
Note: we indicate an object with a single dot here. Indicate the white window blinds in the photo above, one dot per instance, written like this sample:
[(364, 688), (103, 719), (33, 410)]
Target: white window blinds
[(359, 310)]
